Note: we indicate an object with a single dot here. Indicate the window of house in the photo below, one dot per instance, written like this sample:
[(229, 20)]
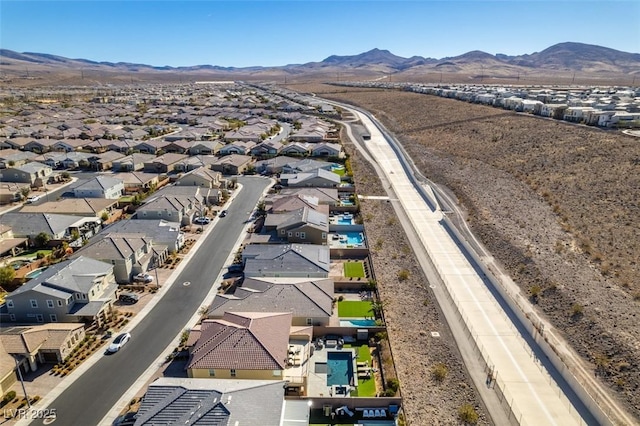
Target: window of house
[(282, 231), (297, 234), (212, 372), (324, 235), (303, 235), (9, 303), (53, 317), (233, 372), (39, 318), (84, 296), (290, 234), (70, 299), (12, 317), (34, 303), (277, 372), (49, 303), (309, 321), (59, 302)]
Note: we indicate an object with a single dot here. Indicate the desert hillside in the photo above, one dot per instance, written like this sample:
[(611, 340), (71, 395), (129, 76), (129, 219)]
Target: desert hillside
[(557, 205)]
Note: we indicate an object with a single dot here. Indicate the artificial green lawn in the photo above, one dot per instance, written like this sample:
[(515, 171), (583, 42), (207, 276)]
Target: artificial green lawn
[(354, 269), (366, 387), (354, 309)]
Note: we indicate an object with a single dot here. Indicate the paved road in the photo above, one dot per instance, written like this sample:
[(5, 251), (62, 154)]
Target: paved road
[(531, 392), (91, 397)]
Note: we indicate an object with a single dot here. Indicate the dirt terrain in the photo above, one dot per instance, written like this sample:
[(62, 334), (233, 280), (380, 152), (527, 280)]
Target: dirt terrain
[(411, 314), (557, 205)]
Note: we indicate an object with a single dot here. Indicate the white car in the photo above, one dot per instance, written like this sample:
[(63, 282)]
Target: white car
[(202, 220), (143, 278), (33, 198), (118, 343)]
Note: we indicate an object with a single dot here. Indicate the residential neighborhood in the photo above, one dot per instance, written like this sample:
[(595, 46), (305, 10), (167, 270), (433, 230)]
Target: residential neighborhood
[(106, 197), (605, 107)]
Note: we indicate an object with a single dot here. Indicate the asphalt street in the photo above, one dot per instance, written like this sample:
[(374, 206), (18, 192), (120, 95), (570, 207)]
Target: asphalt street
[(87, 400)]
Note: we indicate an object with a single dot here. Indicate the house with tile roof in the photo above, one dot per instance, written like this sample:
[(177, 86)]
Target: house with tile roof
[(104, 160), (288, 203), (286, 260), (129, 253), (56, 226), (179, 401), (325, 196), (304, 225), (14, 158), (165, 163), (232, 164), (33, 173), (88, 207), (310, 301), (100, 187), (132, 163), (46, 343), (76, 290), (161, 232), (242, 345), (318, 178)]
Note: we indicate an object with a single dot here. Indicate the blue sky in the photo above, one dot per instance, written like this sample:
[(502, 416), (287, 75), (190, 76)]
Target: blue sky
[(271, 33)]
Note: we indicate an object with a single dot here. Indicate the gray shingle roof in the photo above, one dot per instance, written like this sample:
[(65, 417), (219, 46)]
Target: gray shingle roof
[(299, 259), (76, 275), (178, 401), (300, 296)]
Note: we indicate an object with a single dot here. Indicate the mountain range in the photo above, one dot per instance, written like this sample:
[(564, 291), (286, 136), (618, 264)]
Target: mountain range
[(562, 57)]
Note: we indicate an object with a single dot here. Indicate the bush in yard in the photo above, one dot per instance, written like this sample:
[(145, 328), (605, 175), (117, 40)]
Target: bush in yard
[(393, 384), (403, 275), (8, 397)]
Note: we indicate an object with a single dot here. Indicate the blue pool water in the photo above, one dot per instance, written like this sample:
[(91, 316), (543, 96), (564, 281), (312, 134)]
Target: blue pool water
[(35, 273), (354, 238), (358, 323), (343, 221), (339, 368)]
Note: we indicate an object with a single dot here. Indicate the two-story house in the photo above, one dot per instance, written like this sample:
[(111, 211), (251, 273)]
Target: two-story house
[(76, 290)]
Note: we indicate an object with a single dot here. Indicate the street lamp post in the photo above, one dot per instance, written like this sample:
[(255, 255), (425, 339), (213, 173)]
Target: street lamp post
[(22, 381)]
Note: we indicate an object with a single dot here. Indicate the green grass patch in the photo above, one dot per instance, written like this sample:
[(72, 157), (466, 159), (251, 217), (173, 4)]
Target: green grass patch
[(34, 253), (354, 269), (366, 387), (127, 199), (340, 172), (354, 309)]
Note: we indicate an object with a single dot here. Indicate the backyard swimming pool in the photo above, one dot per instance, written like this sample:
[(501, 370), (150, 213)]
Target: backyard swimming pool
[(339, 368), (35, 273), (354, 238), (358, 323)]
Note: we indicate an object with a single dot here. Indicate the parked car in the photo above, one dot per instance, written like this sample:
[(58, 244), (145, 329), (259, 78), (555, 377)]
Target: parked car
[(129, 297), (143, 278), (33, 198), (118, 343), (202, 220), (223, 213)]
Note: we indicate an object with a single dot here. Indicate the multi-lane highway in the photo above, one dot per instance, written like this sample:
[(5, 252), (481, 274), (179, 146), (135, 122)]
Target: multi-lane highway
[(89, 398)]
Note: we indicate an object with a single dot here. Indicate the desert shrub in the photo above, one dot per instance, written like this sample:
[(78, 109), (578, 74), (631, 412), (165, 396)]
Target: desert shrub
[(440, 371), (577, 310), (403, 275), (467, 414)]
